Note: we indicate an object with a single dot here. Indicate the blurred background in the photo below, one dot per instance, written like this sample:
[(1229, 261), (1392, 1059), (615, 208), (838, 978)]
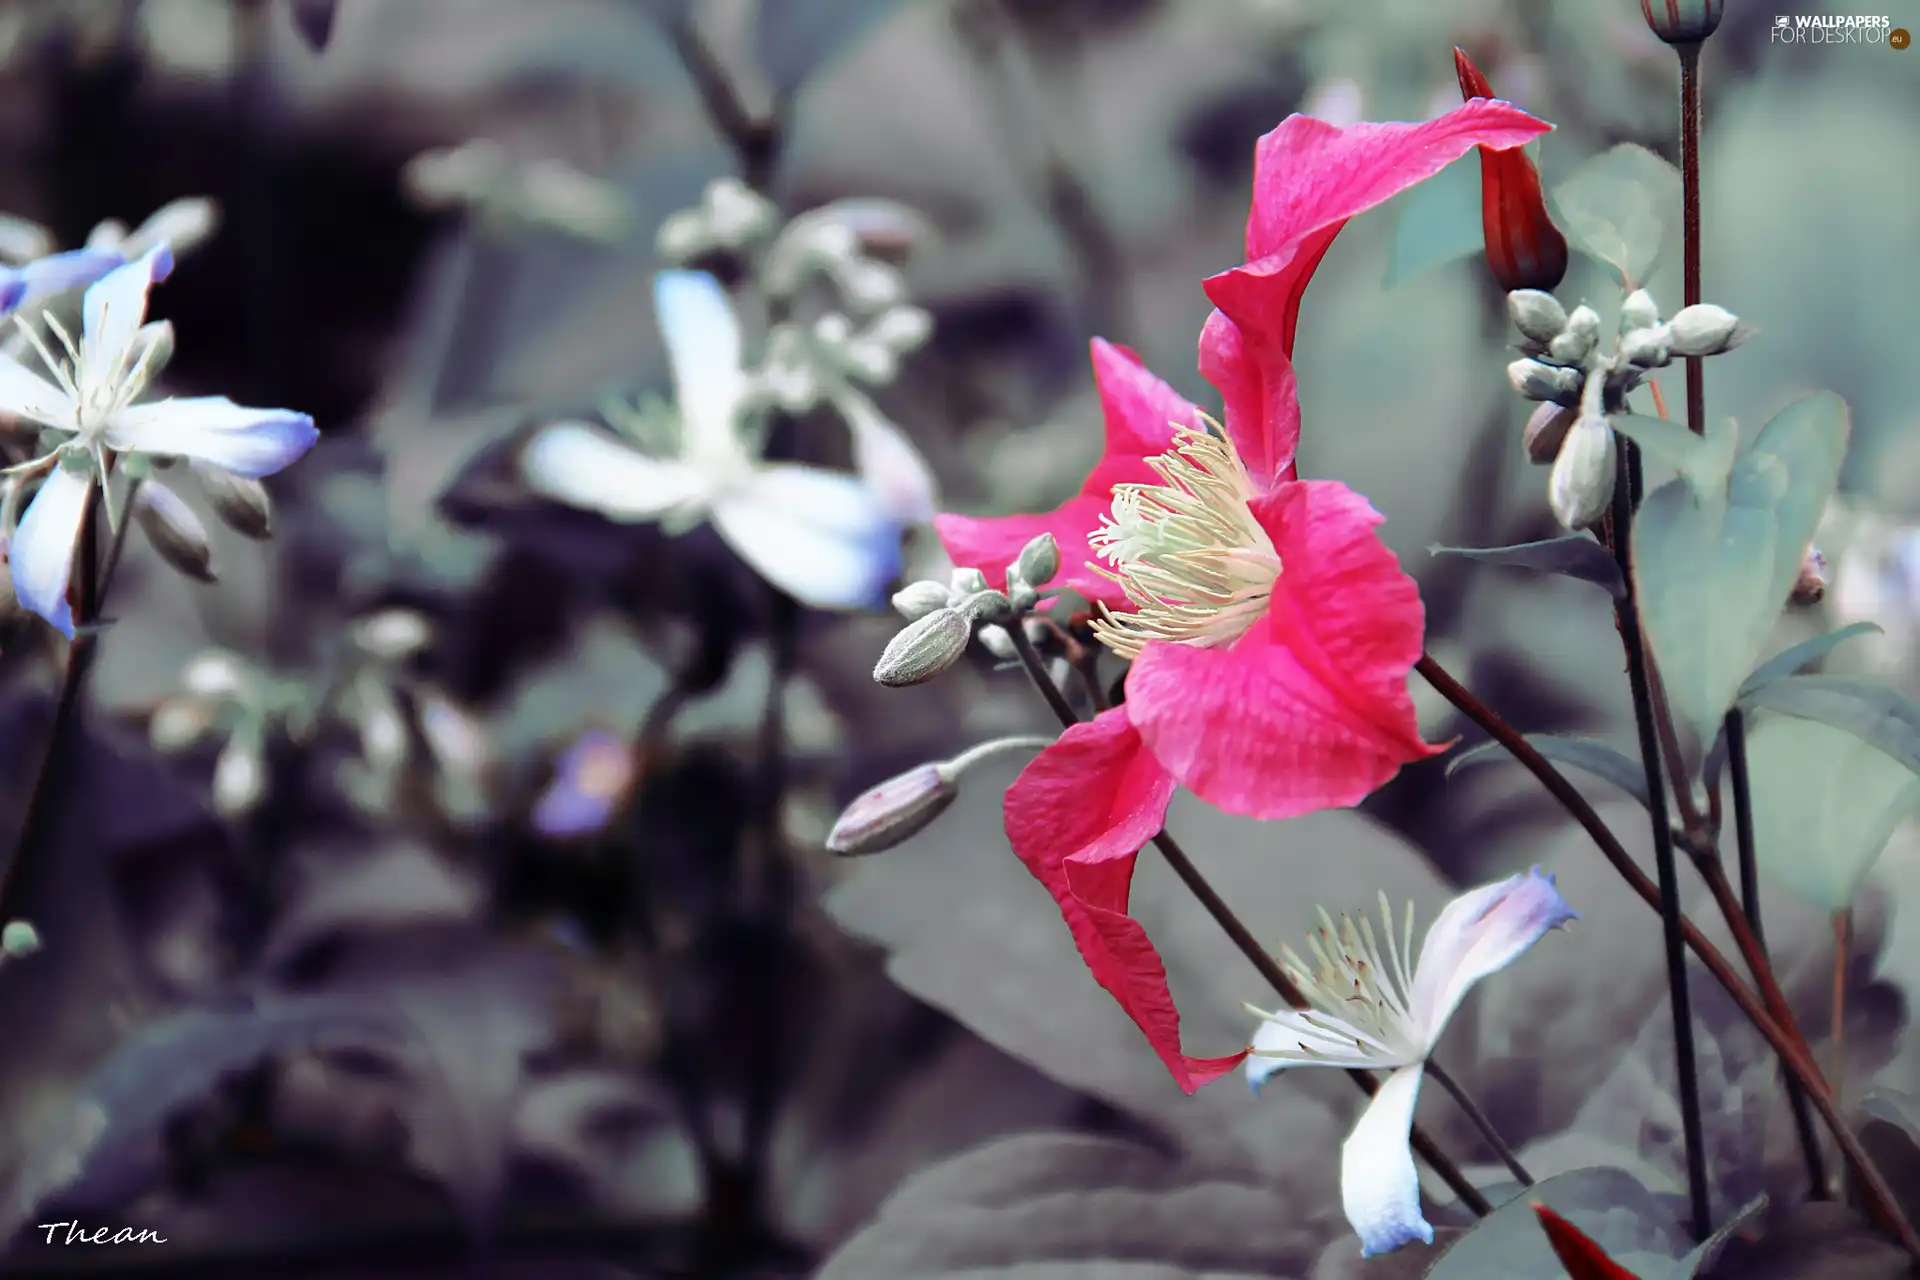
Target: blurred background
[(444, 887)]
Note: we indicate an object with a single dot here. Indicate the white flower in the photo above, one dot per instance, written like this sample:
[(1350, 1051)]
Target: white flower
[(31, 283), (1369, 1011), (821, 536), (91, 401)]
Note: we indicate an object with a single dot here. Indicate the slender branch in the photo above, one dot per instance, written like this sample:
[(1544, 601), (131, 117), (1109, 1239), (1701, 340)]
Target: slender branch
[(1690, 220), (1465, 1102), (1750, 911), (1792, 1050), (1686, 1069), (1243, 938)]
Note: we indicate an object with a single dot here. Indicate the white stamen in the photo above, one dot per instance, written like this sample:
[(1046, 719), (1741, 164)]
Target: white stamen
[(1189, 554), (1359, 996)]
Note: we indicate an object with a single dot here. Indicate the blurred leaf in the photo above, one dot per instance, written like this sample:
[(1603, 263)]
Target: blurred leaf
[(1573, 555), (1901, 1110), (1437, 222), (1619, 207), (1635, 1226), (1709, 1250), (110, 1148), (1792, 660), (1595, 757), (1713, 570), (1876, 714), (313, 19), (1820, 1240), (1824, 805), (394, 885), (797, 39), (1063, 1204)]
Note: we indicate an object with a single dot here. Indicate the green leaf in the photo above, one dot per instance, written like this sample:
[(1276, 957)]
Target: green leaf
[(1587, 754), (1705, 463), (1573, 555), (1637, 1228), (1702, 1257), (1879, 716), (1824, 805), (1617, 207), (1437, 222), (1803, 655), (796, 39), (1712, 571)]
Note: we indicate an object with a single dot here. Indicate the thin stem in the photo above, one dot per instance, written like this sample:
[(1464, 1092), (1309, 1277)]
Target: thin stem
[(1243, 938), (1685, 1067), (1750, 910), (1791, 1048), (1842, 943), (1690, 219), (1472, 1110)]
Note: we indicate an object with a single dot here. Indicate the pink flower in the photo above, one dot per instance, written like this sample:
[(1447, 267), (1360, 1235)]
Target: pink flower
[(1271, 632)]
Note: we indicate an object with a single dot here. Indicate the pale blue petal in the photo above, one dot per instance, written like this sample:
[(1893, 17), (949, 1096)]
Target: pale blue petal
[(25, 394), (1481, 933), (817, 535), (247, 442), (1379, 1186), (889, 464), (112, 312), (41, 553), (57, 273), (590, 779), (12, 289), (703, 344), (573, 463)]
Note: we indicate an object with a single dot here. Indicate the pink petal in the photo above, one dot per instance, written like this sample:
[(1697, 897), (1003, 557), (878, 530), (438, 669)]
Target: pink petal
[(1310, 709), (1077, 817), (1140, 412), (1309, 177)]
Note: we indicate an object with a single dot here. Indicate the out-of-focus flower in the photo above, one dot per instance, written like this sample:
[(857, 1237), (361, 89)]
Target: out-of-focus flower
[(851, 242), (1368, 1009), (181, 225), (1231, 584), (91, 401), (730, 216), (31, 283), (591, 779), (1524, 248), (502, 188), (18, 940), (822, 537), (1683, 21)]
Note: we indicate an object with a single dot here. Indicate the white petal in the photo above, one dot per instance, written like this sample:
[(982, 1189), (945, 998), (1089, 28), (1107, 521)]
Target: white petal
[(113, 310), (1379, 1186), (26, 394), (1479, 933), (703, 344), (248, 442), (817, 535), (181, 225), (1285, 1039), (571, 462), (895, 471), (41, 554), (45, 277)]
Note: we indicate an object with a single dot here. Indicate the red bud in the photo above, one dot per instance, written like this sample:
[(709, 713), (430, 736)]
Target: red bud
[(1583, 1259), (1524, 248)]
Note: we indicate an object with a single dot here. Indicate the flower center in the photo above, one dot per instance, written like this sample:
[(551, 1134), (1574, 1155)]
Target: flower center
[(1358, 994), (1189, 554)]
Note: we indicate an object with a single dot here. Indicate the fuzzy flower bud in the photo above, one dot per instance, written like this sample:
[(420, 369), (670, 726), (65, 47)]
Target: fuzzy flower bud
[(18, 940), (924, 649), (892, 812), (175, 532), (1039, 561), (1581, 485), (1646, 348), (1524, 249), (1638, 311), (239, 779), (987, 606), (214, 674), (1703, 330), (1683, 21), (967, 581), (1577, 341), (1811, 586), (1537, 314), (178, 723), (1546, 432), (241, 503), (901, 329), (1538, 381), (918, 599)]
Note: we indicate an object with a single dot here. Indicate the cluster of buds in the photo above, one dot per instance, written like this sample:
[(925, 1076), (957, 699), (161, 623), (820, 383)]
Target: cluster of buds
[(730, 218), (1578, 383), (505, 190), (942, 617)]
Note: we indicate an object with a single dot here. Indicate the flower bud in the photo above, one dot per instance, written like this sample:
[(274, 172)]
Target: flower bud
[(178, 723), (1546, 432), (18, 940), (1683, 21), (1536, 314), (1576, 343), (901, 329), (987, 606), (239, 779), (918, 599), (870, 286), (736, 214), (1581, 485), (871, 362), (391, 635), (682, 237), (1646, 348), (1537, 381), (1703, 330), (240, 502), (924, 649), (1524, 248), (214, 674), (996, 641), (1811, 586), (1039, 561), (890, 813), (967, 581), (1638, 311), (175, 532)]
